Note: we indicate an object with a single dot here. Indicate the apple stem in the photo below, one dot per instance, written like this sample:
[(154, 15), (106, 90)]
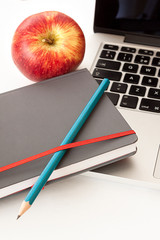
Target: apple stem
[(49, 41)]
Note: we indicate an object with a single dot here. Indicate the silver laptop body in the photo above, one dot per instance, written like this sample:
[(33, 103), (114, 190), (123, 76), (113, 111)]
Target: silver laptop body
[(125, 47)]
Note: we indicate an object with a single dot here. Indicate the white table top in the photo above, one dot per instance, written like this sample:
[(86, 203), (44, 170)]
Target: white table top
[(87, 206)]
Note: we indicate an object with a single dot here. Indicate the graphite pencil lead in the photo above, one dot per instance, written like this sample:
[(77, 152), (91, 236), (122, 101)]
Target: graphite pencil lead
[(18, 217)]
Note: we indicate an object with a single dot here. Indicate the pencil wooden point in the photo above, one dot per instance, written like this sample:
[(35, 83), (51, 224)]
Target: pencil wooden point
[(24, 207)]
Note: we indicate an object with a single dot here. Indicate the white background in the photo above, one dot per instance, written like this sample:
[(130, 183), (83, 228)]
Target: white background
[(84, 207)]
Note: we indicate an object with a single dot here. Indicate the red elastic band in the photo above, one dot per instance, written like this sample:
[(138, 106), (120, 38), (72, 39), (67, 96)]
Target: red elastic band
[(64, 147)]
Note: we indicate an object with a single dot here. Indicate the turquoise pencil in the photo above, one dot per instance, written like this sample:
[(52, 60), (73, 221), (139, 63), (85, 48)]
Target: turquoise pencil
[(52, 164)]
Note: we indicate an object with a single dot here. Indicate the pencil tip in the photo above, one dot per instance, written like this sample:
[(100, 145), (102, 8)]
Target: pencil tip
[(18, 217), (24, 207)]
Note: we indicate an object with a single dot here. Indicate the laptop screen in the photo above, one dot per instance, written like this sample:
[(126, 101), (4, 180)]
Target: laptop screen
[(128, 16)]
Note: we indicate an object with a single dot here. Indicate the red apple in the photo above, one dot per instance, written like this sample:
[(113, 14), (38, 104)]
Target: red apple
[(47, 44)]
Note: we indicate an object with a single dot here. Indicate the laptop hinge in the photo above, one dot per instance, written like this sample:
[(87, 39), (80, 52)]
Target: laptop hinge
[(136, 39)]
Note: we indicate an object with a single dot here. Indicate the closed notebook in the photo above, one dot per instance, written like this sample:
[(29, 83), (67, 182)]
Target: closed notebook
[(37, 117)]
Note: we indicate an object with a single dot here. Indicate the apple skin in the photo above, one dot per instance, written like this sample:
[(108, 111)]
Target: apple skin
[(47, 44)]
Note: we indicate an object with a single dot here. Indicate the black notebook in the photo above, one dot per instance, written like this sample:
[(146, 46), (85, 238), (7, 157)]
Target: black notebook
[(36, 118)]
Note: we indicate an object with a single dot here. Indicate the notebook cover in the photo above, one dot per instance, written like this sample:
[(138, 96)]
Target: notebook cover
[(36, 118)]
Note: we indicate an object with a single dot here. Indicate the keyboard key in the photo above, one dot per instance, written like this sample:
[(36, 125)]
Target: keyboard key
[(129, 102), (128, 49), (131, 78), (108, 64), (118, 87), (137, 90), (111, 75), (107, 54), (98, 81), (150, 105), (112, 47), (114, 97), (150, 81), (142, 59), (125, 57), (158, 54), (145, 52), (154, 93), (148, 70), (156, 62), (130, 67)]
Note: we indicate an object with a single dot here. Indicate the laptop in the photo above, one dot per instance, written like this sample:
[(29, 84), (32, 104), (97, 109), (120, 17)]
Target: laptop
[(126, 47)]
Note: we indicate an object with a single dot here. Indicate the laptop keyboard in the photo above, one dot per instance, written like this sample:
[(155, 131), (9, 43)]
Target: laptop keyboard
[(134, 75)]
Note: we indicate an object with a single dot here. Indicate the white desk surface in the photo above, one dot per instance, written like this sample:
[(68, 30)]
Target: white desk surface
[(84, 207)]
